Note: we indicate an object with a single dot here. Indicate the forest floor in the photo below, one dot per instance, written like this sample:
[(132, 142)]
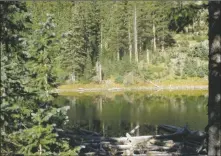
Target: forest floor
[(108, 85)]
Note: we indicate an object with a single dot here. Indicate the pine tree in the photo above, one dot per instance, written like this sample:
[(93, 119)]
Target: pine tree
[(28, 61), (123, 29), (13, 20)]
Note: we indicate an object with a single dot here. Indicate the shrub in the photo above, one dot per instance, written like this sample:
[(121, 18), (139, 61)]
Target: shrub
[(119, 79), (191, 68), (200, 50)]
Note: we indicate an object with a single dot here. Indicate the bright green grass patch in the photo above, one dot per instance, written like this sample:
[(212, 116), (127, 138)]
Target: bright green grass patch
[(152, 93), (171, 82)]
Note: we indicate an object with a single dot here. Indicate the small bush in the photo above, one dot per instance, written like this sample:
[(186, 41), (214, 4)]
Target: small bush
[(200, 50), (191, 69), (119, 79)]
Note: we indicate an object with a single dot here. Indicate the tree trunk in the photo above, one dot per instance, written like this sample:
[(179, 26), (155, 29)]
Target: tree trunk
[(154, 37), (213, 127), (148, 56), (130, 45), (100, 57), (140, 48), (99, 71), (118, 47), (118, 55), (101, 41), (135, 34), (73, 78), (162, 46), (40, 149)]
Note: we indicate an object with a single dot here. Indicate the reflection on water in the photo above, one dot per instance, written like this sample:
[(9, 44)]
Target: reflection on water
[(118, 114)]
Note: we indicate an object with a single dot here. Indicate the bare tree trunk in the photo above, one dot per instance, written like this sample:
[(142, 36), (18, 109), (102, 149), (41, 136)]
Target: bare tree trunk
[(148, 56), (140, 46), (99, 62), (213, 128), (99, 71), (162, 48), (101, 41), (117, 47), (118, 55), (130, 45), (118, 50), (135, 34), (154, 37), (40, 149), (73, 78)]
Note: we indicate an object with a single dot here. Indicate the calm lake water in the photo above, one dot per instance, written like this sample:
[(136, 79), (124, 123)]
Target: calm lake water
[(115, 114)]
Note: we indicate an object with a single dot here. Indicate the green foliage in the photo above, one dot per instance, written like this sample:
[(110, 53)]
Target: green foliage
[(154, 72), (41, 135), (183, 15), (119, 79), (82, 41), (193, 69), (98, 33), (29, 59), (200, 50), (45, 44)]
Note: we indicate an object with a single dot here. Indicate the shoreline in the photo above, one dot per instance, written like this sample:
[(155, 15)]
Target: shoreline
[(118, 89)]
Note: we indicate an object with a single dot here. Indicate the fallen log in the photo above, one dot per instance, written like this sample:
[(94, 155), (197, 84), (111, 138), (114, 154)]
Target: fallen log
[(169, 128), (178, 135), (121, 147), (133, 130), (195, 135), (193, 141), (180, 139), (89, 132)]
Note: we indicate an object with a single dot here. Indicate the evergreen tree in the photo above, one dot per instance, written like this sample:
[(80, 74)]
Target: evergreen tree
[(13, 20), (28, 62)]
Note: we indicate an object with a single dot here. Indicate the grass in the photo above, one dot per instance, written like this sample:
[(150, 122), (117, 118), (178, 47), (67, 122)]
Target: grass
[(90, 85), (184, 82), (172, 82), (153, 93)]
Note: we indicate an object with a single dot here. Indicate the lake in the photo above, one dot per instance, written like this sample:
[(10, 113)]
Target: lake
[(116, 113)]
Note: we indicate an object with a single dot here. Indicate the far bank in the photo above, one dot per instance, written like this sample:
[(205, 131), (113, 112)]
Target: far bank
[(109, 85)]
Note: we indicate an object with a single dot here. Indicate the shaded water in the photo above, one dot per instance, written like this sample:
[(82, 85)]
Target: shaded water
[(115, 114)]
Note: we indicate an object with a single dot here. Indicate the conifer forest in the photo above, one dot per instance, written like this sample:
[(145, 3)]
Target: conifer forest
[(76, 74)]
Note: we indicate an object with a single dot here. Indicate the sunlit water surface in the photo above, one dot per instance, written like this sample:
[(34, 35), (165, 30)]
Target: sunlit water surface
[(115, 114)]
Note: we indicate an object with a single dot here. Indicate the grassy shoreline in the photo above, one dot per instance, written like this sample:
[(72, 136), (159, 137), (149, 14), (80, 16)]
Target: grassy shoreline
[(177, 84)]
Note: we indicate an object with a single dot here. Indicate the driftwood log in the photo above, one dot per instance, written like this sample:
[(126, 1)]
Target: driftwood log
[(177, 141)]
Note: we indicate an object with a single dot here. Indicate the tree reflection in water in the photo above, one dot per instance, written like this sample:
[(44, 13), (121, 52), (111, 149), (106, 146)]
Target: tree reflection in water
[(117, 115)]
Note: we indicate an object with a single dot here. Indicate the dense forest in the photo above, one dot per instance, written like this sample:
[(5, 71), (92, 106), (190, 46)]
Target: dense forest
[(46, 44), (126, 42)]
